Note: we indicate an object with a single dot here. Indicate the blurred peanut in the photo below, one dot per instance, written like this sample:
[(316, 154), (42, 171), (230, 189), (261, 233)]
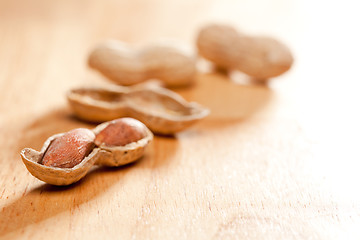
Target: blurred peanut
[(258, 57), (126, 66)]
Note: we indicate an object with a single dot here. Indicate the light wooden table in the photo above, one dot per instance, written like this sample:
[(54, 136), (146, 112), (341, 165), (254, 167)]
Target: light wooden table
[(275, 162)]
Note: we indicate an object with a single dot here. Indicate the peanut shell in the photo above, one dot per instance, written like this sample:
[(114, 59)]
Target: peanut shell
[(259, 57), (160, 109), (126, 66), (101, 155)]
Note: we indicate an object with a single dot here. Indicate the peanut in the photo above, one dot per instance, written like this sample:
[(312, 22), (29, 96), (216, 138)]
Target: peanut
[(121, 132), (258, 57), (70, 149), (65, 158), (125, 66)]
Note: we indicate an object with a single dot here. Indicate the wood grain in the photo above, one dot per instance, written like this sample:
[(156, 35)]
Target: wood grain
[(270, 162)]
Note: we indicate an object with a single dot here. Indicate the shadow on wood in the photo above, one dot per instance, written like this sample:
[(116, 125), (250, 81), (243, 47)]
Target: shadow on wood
[(57, 121), (226, 99), (47, 201)]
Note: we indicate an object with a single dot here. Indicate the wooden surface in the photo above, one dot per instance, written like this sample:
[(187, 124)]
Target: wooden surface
[(271, 162)]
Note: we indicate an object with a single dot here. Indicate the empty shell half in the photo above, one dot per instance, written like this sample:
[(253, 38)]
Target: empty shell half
[(160, 109)]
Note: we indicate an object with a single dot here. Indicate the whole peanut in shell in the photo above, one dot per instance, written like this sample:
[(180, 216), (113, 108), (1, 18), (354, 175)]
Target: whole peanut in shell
[(258, 57), (126, 66)]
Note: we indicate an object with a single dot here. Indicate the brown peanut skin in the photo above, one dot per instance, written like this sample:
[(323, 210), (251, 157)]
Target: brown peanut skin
[(70, 149), (258, 57), (121, 132)]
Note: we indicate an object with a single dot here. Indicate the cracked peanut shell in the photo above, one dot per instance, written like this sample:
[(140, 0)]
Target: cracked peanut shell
[(103, 155)]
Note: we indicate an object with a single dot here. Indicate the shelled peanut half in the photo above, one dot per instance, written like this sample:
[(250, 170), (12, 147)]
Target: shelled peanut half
[(65, 158)]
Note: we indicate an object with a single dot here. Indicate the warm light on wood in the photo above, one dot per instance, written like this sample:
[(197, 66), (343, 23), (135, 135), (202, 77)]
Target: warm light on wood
[(270, 162)]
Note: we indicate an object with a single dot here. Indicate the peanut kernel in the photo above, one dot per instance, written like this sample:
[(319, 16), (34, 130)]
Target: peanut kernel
[(70, 149), (121, 132)]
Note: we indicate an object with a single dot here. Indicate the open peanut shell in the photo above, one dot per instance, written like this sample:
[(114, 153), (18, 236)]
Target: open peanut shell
[(114, 156), (160, 109), (111, 156), (54, 175)]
